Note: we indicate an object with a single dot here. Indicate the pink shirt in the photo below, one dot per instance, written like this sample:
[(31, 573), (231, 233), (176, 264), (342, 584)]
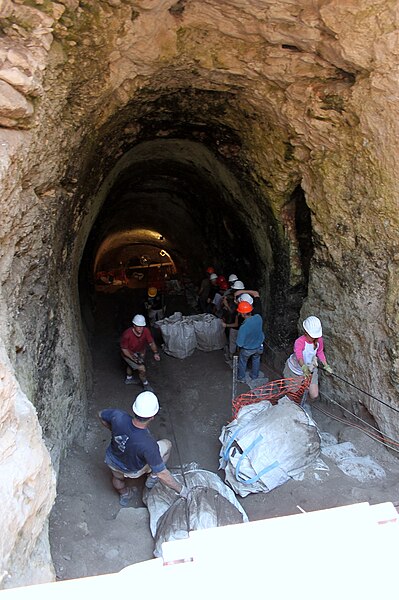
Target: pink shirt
[(299, 347)]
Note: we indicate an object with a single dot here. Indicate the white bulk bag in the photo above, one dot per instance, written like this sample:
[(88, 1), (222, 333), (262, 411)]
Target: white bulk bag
[(266, 445), (179, 335), (210, 503), (209, 332)]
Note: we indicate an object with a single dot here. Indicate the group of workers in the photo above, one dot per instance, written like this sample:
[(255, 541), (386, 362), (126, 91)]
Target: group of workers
[(133, 451), (241, 312)]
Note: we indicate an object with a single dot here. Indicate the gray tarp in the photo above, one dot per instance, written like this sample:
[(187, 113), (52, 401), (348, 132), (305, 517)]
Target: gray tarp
[(210, 503), (267, 445)]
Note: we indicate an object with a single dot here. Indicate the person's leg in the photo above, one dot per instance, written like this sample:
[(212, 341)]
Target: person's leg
[(295, 383), (313, 391), (255, 364), (119, 482), (233, 333), (142, 374), (165, 448), (314, 386), (131, 366), (242, 364)]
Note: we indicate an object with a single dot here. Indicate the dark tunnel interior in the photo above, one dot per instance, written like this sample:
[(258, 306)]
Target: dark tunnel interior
[(173, 209)]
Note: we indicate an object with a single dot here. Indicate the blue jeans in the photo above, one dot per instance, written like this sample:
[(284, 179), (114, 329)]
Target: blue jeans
[(243, 359)]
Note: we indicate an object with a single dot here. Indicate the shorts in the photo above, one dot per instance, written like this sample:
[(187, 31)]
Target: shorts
[(131, 363), (289, 374), (164, 449)]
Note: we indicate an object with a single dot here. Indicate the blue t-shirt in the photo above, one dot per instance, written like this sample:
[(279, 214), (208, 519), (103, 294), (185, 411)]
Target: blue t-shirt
[(131, 448), (250, 335)]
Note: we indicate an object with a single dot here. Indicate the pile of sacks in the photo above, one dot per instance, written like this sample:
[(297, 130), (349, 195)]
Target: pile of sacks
[(182, 335)]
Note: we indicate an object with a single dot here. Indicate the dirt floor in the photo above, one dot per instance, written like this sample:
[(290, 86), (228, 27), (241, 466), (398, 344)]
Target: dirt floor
[(90, 534)]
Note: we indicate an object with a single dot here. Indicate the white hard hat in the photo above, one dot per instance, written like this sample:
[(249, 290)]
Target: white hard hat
[(213, 276), (246, 298), (238, 285), (146, 405), (312, 326), (138, 320), (233, 278)]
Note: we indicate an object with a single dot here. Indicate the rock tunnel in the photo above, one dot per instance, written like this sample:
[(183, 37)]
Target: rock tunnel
[(260, 137)]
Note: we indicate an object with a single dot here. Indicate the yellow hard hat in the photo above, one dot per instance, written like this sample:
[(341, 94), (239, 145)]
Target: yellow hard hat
[(152, 292)]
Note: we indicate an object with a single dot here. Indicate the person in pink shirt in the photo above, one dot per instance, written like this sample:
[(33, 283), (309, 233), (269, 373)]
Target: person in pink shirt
[(308, 351)]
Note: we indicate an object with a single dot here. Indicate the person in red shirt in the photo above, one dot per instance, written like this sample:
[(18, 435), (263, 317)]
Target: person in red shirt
[(133, 344)]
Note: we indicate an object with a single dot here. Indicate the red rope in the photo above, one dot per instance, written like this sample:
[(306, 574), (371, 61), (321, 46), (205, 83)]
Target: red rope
[(272, 391)]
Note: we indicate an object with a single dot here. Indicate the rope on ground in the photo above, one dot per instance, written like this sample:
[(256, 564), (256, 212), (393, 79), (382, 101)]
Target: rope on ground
[(182, 470), (364, 392), (378, 438), (348, 383), (381, 438)]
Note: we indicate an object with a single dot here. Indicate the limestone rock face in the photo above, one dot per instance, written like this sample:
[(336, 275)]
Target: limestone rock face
[(27, 490), (296, 103)]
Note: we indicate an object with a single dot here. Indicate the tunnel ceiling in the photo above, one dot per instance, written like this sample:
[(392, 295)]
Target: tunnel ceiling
[(181, 191)]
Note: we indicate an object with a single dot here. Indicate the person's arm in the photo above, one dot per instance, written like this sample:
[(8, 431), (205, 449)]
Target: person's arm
[(167, 479), (252, 293), (154, 348), (320, 352), (234, 324), (105, 423), (128, 354), (299, 347), (124, 345)]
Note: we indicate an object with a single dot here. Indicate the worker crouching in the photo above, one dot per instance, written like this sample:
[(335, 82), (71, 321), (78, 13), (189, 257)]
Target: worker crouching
[(134, 342), (133, 451)]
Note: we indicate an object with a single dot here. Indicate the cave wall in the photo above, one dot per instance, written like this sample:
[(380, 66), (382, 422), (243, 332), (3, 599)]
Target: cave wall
[(283, 93)]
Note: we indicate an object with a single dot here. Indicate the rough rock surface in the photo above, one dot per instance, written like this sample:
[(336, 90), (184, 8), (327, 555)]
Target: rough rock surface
[(28, 487), (285, 95)]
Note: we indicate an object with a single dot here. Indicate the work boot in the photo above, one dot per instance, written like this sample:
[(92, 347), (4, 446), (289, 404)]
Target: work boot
[(147, 387), (124, 499), (129, 379)]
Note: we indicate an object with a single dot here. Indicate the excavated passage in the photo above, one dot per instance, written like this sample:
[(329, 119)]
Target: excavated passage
[(176, 196), (260, 136)]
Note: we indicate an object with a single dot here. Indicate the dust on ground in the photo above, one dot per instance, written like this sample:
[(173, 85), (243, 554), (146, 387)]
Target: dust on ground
[(91, 534)]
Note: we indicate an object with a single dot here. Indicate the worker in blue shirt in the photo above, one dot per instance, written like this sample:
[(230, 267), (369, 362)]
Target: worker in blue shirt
[(249, 341)]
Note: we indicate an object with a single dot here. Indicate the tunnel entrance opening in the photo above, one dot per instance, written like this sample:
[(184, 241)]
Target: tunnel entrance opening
[(135, 265), (168, 210)]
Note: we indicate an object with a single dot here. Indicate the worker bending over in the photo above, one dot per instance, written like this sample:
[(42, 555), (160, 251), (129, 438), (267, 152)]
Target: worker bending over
[(134, 342), (133, 451)]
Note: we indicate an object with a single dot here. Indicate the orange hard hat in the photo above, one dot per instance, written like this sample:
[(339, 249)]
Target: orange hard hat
[(244, 307), (210, 270)]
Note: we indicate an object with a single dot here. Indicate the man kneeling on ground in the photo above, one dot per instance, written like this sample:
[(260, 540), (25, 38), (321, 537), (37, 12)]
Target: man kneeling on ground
[(133, 451)]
